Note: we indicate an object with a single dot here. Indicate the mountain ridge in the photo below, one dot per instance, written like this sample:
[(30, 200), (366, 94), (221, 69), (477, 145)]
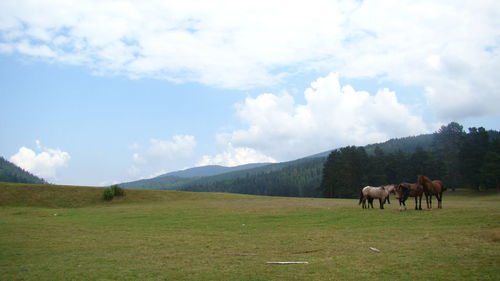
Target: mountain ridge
[(210, 170)]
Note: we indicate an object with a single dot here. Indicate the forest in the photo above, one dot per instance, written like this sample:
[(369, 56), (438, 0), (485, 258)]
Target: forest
[(12, 173), (457, 158), (299, 178)]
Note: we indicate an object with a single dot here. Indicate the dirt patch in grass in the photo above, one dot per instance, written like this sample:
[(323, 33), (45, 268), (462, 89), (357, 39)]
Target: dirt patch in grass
[(491, 235)]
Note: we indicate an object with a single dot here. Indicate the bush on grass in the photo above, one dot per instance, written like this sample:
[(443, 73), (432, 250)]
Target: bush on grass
[(108, 194), (117, 190), (112, 191)]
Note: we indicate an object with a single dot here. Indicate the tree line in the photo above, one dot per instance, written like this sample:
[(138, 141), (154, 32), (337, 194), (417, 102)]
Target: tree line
[(458, 158), (299, 180)]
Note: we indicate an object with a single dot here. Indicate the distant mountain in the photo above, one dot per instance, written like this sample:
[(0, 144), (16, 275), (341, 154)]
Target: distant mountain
[(300, 177), (178, 179), (211, 170), (9, 172)]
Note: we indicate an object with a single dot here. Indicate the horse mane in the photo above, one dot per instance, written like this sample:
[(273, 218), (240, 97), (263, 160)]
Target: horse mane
[(422, 179)]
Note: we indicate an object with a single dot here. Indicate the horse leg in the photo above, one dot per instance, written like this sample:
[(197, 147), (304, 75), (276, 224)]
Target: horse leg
[(416, 206), (381, 201), (402, 205), (439, 197), (428, 200), (370, 202), (420, 202)]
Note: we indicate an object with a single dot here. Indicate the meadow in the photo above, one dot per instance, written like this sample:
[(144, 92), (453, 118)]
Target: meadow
[(70, 233)]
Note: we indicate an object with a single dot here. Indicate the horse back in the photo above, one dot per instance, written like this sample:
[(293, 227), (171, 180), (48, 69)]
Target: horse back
[(375, 191), (439, 185), (415, 189), (428, 185)]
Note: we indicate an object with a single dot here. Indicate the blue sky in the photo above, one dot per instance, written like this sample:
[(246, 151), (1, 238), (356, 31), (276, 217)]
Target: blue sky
[(99, 92)]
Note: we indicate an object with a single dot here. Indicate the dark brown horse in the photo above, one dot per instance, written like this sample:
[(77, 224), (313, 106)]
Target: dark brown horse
[(405, 190), (431, 188)]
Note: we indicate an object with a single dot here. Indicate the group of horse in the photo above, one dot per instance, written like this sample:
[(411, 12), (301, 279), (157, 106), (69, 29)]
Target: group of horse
[(423, 186)]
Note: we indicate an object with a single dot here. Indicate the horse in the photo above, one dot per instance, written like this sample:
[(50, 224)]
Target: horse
[(370, 192), (405, 190), (431, 187), (389, 188)]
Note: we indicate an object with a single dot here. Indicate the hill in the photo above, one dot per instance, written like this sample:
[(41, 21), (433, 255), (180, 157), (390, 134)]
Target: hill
[(395, 160), (9, 172), (65, 196), (177, 179), (211, 170)]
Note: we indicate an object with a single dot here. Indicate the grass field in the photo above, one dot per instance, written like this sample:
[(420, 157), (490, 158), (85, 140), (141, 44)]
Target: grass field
[(69, 233)]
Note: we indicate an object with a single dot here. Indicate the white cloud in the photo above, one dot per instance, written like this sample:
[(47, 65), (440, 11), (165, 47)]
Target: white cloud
[(332, 116), (451, 48), (162, 155), (45, 164), (235, 157)]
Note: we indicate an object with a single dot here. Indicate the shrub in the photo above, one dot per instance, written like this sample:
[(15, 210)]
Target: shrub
[(117, 190), (112, 191), (108, 194)]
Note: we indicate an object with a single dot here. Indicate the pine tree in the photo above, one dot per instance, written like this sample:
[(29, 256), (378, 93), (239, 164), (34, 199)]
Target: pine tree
[(472, 154), (447, 144), (490, 170)]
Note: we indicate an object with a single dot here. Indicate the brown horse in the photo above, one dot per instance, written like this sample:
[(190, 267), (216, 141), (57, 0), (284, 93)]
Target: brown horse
[(371, 192), (431, 187), (405, 190)]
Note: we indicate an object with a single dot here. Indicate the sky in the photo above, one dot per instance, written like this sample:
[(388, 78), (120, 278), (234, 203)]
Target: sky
[(102, 92)]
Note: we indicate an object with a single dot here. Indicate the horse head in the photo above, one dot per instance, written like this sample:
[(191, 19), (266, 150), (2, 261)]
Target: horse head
[(403, 190), (392, 189)]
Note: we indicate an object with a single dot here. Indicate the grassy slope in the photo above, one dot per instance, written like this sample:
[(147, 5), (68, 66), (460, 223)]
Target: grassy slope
[(158, 235)]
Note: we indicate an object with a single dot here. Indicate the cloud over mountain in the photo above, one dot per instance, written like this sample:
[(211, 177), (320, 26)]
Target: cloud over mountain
[(332, 116), (161, 155), (44, 164)]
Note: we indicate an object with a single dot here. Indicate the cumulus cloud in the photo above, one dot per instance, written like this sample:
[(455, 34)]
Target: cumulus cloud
[(450, 48), (162, 155), (235, 157), (332, 116), (44, 164)]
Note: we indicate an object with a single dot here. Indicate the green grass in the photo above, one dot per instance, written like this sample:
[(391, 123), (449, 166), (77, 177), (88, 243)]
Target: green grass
[(69, 233)]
